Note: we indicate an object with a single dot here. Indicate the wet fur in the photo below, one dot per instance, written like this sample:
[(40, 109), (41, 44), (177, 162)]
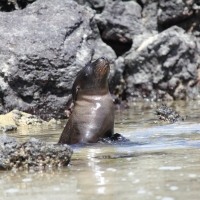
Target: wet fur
[(93, 114)]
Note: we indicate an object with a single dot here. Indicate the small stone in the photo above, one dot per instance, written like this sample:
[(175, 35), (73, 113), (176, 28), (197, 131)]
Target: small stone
[(167, 114)]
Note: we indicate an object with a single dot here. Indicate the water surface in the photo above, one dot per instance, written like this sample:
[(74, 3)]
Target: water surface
[(161, 162)]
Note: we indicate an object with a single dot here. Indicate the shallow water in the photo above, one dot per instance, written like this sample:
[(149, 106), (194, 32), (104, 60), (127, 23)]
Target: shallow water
[(162, 162)]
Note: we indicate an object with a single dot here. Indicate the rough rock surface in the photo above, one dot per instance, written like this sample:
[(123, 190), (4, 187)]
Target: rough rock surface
[(193, 24), (174, 11), (33, 154), (158, 15), (118, 83), (120, 21), (167, 114), (11, 5), (41, 50), (44, 45), (149, 16), (98, 5), (164, 66), (12, 120)]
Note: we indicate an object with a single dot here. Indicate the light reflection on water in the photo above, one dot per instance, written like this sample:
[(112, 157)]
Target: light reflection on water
[(162, 162)]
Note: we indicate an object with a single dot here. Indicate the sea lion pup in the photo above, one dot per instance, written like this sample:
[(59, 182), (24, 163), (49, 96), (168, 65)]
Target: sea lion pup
[(93, 114)]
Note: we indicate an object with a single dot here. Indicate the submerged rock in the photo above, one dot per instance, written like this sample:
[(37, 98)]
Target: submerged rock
[(115, 139), (167, 114), (33, 154)]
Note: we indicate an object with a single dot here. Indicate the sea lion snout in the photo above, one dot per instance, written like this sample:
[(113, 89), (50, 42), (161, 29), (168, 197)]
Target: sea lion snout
[(101, 68), (102, 61)]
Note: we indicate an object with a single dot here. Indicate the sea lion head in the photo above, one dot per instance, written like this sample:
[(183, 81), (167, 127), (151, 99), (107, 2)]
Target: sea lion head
[(92, 79), (101, 68)]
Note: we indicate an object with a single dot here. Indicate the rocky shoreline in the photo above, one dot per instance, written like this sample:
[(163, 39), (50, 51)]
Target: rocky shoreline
[(153, 47), (32, 155), (12, 120)]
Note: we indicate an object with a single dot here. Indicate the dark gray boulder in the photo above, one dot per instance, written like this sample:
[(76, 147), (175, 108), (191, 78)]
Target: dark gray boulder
[(192, 25), (173, 11), (149, 16), (97, 5), (42, 47), (120, 21), (11, 5), (118, 83), (103, 49), (137, 24), (164, 66)]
